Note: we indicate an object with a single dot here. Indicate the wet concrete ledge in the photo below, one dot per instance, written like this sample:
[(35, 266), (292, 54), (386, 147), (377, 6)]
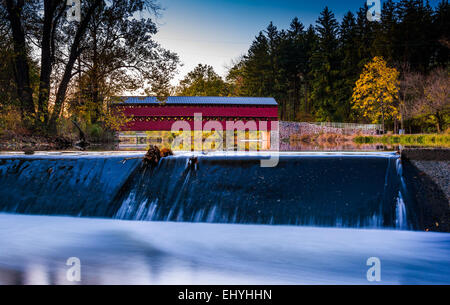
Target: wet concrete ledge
[(426, 154), (427, 174)]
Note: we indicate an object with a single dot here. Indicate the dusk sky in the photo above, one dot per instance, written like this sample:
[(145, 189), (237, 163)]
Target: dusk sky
[(216, 32)]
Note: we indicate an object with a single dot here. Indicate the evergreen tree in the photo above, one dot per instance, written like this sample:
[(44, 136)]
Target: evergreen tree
[(349, 71), (441, 30), (257, 68), (273, 39), (325, 67), (364, 36), (311, 41), (293, 60), (312, 72), (386, 32), (415, 34)]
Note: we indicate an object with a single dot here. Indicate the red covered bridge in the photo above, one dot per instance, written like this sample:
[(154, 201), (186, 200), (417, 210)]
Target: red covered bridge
[(148, 114)]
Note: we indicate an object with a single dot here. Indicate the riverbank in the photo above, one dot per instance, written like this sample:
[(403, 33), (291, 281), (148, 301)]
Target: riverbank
[(11, 141), (425, 140), (340, 142), (308, 136), (29, 143)]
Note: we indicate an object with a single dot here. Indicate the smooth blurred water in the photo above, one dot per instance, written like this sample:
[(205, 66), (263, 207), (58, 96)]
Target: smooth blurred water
[(58, 184), (34, 250)]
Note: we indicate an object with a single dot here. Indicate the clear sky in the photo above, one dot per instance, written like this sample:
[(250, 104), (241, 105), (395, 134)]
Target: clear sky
[(215, 32)]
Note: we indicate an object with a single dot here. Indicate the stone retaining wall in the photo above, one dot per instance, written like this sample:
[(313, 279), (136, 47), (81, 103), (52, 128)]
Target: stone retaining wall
[(427, 175), (289, 128)]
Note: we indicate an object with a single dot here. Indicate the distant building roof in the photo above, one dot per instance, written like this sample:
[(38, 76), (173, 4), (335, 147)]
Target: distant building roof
[(206, 100)]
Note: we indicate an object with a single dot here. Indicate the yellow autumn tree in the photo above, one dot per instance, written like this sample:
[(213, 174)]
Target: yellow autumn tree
[(376, 92)]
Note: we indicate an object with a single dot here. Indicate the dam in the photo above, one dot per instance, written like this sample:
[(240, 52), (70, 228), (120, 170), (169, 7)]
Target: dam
[(328, 190), (214, 218)]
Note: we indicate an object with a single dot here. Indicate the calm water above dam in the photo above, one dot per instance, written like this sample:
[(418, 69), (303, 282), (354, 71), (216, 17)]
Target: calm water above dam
[(223, 219)]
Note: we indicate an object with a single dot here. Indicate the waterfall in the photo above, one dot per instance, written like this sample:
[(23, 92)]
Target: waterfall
[(333, 191), (328, 190), (62, 185), (401, 221)]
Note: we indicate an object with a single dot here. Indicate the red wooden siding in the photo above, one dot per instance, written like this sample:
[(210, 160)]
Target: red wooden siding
[(167, 125), (210, 111), (163, 116)]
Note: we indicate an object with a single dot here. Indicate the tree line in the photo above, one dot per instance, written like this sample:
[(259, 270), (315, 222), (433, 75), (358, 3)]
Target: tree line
[(312, 71), (52, 67)]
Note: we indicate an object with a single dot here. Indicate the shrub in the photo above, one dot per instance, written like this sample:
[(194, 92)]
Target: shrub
[(95, 131), (407, 140)]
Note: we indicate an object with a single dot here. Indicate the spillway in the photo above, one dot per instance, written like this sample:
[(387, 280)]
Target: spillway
[(214, 219), (326, 190)]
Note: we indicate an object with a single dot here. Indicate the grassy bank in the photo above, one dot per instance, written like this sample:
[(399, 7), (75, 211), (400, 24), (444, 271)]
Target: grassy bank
[(15, 137), (432, 140)]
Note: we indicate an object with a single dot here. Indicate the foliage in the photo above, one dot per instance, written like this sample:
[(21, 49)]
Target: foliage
[(95, 131), (313, 70), (202, 81), (121, 56), (411, 91), (436, 98), (52, 69), (110, 50), (115, 119), (376, 92), (10, 119), (438, 140), (325, 67)]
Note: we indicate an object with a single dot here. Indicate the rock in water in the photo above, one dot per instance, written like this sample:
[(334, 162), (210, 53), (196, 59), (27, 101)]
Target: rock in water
[(193, 161), (165, 152), (28, 150), (152, 156), (82, 144)]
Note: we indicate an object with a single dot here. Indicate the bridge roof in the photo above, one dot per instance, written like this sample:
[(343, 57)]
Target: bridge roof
[(199, 100)]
